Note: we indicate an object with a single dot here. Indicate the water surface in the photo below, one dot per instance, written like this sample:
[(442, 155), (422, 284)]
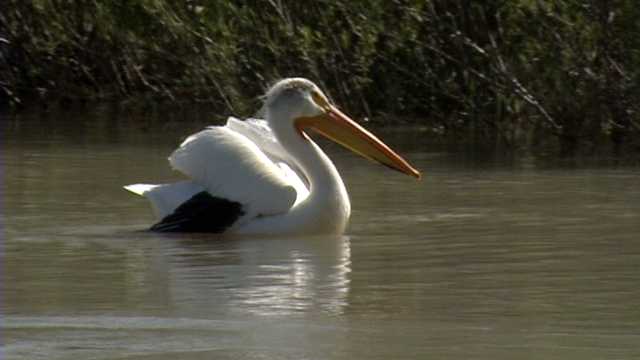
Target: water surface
[(472, 261)]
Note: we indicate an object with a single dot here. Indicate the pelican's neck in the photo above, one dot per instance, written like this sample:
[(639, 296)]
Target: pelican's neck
[(322, 175), (327, 207)]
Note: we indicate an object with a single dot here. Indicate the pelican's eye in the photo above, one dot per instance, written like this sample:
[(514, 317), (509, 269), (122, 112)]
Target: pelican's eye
[(320, 100)]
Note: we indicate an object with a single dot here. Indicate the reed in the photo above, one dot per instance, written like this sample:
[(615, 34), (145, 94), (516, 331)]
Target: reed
[(514, 75)]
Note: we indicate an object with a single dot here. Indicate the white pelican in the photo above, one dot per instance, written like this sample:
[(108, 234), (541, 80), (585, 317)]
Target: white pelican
[(266, 176)]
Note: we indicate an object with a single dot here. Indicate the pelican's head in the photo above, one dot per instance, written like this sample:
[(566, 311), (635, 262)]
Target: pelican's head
[(301, 101), (293, 98)]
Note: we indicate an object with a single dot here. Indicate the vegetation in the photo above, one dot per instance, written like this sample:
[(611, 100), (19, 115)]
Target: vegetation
[(516, 75)]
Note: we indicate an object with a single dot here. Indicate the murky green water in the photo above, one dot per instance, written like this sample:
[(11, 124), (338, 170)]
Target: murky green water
[(471, 262)]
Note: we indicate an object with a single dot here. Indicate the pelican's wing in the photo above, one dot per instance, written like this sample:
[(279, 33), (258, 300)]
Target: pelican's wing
[(259, 133), (228, 165)]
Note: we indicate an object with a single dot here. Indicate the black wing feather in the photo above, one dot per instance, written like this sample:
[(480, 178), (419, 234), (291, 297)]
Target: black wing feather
[(202, 213)]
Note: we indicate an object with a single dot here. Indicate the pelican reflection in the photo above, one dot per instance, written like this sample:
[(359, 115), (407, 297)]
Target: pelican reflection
[(265, 276)]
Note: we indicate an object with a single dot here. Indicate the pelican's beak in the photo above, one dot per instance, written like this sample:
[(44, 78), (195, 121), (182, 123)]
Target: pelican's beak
[(340, 128)]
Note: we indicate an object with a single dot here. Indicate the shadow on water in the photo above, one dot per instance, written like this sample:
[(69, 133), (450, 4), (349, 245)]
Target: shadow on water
[(165, 125)]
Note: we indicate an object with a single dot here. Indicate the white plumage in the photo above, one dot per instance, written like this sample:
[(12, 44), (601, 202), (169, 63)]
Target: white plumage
[(230, 166), (265, 176)]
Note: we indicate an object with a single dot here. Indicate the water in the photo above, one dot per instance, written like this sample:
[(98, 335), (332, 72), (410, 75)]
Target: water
[(472, 261)]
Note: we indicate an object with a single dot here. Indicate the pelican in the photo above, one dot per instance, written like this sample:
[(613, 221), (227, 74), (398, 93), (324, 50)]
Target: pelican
[(266, 175)]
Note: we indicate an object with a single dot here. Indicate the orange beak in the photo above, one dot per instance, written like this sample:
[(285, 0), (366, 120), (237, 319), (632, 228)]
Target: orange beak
[(340, 128)]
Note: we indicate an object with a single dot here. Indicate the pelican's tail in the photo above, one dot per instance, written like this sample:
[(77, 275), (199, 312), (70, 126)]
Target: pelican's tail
[(165, 198)]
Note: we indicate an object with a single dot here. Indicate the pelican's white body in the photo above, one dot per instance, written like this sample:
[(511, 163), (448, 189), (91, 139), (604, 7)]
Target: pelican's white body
[(283, 180), (266, 176)]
